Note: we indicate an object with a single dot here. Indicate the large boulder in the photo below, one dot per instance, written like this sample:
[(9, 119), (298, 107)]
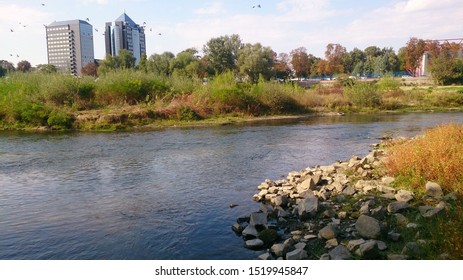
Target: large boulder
[(368, 227), (250, 232), (404, 196), (254, 243), (398, 206), (308, 184)]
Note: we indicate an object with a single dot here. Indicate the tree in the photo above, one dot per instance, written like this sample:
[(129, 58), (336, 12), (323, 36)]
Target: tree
[(24, 66), (6, 65), (186, 63), (401, 57), (143, 64), (300, 62), (160, 63), (281, 66), (125, 59), (334, 55), (222, 53), (352, 58), (91, 69), (415, 49), (255, 60), (47, 68)]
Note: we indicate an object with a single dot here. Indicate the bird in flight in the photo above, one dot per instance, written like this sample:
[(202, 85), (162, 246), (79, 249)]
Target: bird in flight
[(96, 29), (11, 30), (87, 19), (43, 4)]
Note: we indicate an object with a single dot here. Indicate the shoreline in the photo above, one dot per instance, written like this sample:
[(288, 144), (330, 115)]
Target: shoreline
[(347, 210), (94, 125)]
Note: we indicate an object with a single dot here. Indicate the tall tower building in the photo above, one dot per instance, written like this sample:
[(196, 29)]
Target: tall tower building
[(70, 45), (124, 33)]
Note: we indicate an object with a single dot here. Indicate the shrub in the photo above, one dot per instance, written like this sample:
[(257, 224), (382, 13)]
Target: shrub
[(388, 83), (364, 94), (185, 113), (59, 119), (32, 114)]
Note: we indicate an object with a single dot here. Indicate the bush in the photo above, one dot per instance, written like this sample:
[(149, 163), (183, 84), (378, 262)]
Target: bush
[(185, 113), (59, 119), (32, 114), (388, 83), (364, 94)]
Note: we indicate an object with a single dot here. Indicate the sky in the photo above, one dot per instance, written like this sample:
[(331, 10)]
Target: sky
[(283, 25)]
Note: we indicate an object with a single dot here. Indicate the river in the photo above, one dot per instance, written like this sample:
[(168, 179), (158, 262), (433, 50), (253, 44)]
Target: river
[(164, 194)]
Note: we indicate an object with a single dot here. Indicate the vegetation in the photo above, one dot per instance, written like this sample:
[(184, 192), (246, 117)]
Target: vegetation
[(436, 156)]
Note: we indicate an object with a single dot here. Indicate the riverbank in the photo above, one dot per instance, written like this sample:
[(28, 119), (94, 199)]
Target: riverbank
[(354, 209), (128, 100)]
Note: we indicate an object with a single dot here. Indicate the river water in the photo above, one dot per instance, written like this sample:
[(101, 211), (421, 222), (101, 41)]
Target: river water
[(164, 194)]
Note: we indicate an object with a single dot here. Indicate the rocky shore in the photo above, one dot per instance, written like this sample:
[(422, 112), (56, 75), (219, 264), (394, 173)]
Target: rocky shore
[(347, 210)]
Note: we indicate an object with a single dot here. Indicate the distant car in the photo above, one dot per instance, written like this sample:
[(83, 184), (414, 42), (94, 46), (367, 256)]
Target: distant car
[(406, 76)]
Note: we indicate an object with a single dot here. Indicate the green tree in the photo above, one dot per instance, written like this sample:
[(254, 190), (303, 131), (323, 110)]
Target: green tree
[(126, 60), (352, 58), (143, 63), (159, 64), (300, 62), (6, 66), (24, 66), (401, 57), (186, 63), (255, 60), (222, 53), (47, 68)]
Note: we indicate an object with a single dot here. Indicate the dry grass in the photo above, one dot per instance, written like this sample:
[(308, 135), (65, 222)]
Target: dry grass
[(435, 156)]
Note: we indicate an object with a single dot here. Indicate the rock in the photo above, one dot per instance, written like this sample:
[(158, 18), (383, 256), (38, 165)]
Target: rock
[(307, 207), (340, 253), (237, 228), (325, 257), (268, 236), (401, 220), (266, 256), (308, 184), (331, 243), (310, 237), (434, 190), (394, 236), (404, 196), (258, 219), (395, 207), (337, 186), (349, 190), (250, 232), (368, 227), (381, 245), (368, 250), (396, 257), (254, 243), (412, 225), (300, 245), (297, 254), (328, 232), (378, 212), (280, 200), (354, 244), (387, 180), (278, 249), (411, 249), (430, 211)]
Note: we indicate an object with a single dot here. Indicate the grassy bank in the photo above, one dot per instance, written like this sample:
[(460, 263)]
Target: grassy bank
[(126, 98), (435, 156)]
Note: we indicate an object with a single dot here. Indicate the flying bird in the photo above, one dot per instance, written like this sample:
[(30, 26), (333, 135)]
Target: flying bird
[(159, 34), (11, 30), (96, 29), (43, 4), (87, 19)]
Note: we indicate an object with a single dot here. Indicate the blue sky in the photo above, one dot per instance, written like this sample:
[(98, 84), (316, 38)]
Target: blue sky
[(283, 25)]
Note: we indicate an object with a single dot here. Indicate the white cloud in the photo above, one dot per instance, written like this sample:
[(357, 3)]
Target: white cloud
[(214, 8), (92, 2), (306, 10)]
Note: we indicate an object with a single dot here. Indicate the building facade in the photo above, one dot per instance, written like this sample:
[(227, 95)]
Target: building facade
[(124, 33), (70, 45)]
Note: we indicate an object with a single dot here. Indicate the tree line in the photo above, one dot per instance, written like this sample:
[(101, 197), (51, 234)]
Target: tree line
[(252, 61)]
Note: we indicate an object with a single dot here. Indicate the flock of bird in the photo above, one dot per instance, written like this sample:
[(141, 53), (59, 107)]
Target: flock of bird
[(96, 29)]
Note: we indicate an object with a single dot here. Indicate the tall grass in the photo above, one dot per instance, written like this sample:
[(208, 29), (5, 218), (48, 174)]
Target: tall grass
[(436, 156)]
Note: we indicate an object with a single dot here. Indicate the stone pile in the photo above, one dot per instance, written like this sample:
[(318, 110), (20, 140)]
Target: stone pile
[(347, 210)]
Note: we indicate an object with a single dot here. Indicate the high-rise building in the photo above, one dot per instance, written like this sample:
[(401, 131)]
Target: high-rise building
[(70, 45), (124, 33)]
